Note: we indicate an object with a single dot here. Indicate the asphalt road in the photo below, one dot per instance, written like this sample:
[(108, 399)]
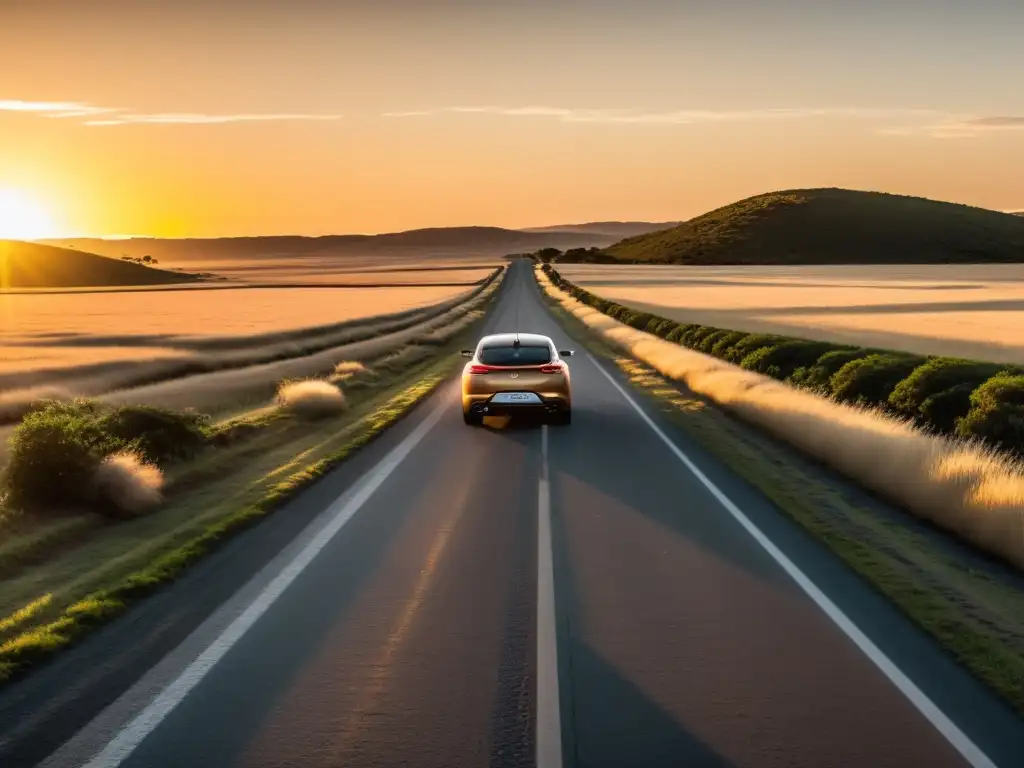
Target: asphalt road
[(520, 595)]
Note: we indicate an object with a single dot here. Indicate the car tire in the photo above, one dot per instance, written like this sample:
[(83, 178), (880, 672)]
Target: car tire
[(472, 419), (563, 418)]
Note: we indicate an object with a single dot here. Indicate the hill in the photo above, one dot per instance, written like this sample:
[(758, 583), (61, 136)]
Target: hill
[(617, 229), (436, 242), (833, 226), (34, 265)]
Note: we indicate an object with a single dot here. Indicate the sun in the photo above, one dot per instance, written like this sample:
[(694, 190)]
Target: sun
[(22, 217)]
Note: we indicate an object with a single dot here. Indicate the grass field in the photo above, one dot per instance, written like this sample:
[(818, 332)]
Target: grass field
[(971, 311), (40, 331)]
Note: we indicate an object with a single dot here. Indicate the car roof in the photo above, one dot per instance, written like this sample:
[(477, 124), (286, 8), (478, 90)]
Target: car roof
[(509, 339)]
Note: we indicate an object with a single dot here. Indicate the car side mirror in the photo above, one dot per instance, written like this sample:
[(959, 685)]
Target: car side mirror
[(566, 352), (467, 353)]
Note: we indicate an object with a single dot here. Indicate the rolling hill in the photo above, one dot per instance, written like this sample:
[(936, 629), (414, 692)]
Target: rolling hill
[(34, 265), (439, 242), (833, 226)]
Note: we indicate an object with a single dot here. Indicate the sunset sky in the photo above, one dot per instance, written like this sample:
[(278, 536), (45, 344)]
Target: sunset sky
[(202, 119)]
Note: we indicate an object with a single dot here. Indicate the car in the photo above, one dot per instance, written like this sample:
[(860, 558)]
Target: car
[(514, 373)]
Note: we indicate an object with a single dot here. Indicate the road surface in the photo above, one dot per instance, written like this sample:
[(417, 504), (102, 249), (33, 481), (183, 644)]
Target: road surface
[(602, 594)]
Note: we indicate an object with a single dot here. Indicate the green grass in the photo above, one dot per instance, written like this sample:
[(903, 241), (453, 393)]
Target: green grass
[(833, 226), (973, 609)]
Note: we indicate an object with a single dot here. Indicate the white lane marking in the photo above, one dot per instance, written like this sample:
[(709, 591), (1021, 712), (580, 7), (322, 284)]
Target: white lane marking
[(549, 713), (960, 741), (126, 741)]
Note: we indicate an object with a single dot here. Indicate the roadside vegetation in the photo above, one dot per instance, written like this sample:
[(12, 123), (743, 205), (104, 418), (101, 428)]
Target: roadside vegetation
[(827, 226), (943, 395), (102, 503), (972, 605), (965, 486)]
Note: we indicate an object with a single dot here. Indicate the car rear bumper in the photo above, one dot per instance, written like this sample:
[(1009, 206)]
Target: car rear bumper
[(483, 405)]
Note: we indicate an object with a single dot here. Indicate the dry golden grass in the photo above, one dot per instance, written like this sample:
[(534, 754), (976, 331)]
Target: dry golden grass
[(311, 398), (960, 486), (59, 330), (971, 311), (197, 354), (128, 483), (221, 390), (348, 368)]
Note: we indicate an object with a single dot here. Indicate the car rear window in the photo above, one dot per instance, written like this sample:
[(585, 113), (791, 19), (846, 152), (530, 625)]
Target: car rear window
[(521, 355)]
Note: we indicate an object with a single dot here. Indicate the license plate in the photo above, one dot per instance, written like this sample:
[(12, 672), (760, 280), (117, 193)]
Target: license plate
[(517, 398)]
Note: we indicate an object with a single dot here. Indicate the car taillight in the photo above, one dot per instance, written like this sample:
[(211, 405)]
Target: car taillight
[(479, 368), (555, 368)]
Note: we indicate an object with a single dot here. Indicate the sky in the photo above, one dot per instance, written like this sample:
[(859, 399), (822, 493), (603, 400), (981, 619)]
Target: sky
[(269, 117)]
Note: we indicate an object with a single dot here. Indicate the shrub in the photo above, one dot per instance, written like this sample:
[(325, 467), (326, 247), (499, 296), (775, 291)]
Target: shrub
[(125, 485), (661, 327), (870, 380), (997, 413), (819, 375), (752, 343), (708, 342), (780, 361), (727, 342), (159, 434), (617, 312), (638, 320), (54, 452), (694, 338), (311, 398), (935, 376), (943, 410), (677, 333)]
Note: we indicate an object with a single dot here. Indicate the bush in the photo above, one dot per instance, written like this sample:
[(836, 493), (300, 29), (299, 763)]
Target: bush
[(159, 434), (870, 380), (54, 452), (311, 398), (752, 343), (60, 449), (677, 333), (943, 410), (661, 327), (725, 344), (693, 338), (819, 375), (997, 413), (708, 342), (780, 361), (638, 320), (935, 377)]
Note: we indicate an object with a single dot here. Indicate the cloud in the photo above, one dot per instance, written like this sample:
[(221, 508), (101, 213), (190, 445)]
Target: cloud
[(97, 115), (191, 118), (932, 123), (674, 117), (1013, 122), (960, 127), (53, 108)]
